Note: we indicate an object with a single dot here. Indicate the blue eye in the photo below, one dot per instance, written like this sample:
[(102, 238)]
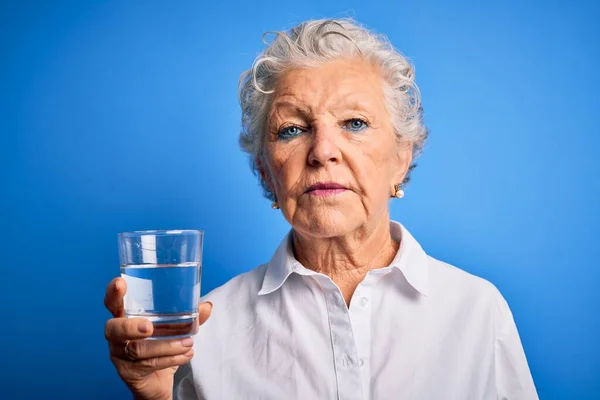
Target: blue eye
[(290, 132), (356, 124)]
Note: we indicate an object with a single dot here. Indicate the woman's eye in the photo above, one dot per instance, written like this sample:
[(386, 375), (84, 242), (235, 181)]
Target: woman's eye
[(356, 124), (290, 132)]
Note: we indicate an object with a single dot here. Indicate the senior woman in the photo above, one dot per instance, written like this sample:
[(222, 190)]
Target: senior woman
[(349, 306)]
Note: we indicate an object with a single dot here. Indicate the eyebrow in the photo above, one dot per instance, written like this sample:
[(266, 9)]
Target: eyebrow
[(351, 105), (293, 106)]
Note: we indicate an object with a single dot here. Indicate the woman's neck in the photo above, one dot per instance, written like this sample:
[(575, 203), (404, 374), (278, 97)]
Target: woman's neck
[(347, 259)]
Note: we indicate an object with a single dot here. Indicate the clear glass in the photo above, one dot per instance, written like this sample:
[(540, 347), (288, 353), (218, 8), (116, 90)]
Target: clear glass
[(163, 273)]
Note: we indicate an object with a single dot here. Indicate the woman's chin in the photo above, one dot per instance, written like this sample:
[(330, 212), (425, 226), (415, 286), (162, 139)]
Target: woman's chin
[(329, 223)]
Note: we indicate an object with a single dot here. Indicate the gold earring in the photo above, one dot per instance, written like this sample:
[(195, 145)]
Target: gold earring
[(275, 205), (399, 192)]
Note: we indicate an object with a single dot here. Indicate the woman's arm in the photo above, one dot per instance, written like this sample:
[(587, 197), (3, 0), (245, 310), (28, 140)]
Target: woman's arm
[(513, 378)]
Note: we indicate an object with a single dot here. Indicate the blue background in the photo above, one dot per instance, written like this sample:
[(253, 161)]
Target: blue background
[(123, 115)]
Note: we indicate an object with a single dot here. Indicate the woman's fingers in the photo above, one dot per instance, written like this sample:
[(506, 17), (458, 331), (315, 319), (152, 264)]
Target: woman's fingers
[(204, 310), (153, 364), (143, 356), (120, 330), (113, 300), (147, 366), (128, 369), (145, 349)]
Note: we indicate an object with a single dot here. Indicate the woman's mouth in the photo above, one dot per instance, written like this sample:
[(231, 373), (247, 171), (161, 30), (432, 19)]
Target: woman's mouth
[(325, 189)]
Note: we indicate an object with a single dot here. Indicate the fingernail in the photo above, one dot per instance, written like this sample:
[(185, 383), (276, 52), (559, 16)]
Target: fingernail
[(116, 287), (187, 342), (143, 327), (189, 353)]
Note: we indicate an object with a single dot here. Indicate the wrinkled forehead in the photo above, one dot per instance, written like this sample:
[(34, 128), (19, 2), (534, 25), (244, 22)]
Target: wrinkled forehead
[(336, 85)]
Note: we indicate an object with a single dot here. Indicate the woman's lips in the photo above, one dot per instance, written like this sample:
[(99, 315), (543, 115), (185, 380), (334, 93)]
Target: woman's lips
[(325, 189)]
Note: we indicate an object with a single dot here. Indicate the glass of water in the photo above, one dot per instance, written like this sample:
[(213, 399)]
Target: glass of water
[(163, 271)]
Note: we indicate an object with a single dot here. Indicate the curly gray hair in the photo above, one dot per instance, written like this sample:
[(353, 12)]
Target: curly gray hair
[(311, 43)]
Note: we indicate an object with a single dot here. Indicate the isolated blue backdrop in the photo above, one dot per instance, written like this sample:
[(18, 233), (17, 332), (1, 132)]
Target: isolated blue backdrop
[(123, 115)]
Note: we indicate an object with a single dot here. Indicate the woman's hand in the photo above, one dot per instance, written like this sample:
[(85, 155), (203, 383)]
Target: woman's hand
[(148, 366)]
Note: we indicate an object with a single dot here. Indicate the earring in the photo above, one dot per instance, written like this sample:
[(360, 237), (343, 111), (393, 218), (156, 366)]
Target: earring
[(275, 205), (399, 192)]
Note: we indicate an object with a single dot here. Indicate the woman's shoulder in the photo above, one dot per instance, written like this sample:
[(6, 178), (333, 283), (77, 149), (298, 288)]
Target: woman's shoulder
[(450, 280)]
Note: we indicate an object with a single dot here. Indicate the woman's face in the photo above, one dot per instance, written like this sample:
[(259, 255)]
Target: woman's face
[(331, 156)]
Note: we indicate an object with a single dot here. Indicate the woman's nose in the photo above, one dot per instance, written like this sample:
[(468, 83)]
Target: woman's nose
[(324, 149)]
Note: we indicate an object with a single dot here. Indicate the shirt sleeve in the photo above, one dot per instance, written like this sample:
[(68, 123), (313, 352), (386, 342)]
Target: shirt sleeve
[(513, 378)]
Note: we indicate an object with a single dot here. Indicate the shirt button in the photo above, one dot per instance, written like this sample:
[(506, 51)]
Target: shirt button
[(361, 362), (364, 301)]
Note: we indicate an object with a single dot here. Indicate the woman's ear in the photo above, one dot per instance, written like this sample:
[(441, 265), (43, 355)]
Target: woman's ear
[(264, 174), (402, 162)]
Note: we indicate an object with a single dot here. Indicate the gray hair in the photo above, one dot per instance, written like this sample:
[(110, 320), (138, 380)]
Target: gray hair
[(310, 44)]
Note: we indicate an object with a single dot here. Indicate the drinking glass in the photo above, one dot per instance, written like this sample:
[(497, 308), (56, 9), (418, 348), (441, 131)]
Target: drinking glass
[(163, 271)]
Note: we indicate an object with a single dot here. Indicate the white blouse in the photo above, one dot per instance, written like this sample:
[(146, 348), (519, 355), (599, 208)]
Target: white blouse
[(417, 329)]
